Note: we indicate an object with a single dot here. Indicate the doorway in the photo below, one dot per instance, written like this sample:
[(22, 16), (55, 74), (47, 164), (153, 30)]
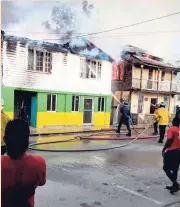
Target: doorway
[(153, 105), (25, 106), (88, 111)]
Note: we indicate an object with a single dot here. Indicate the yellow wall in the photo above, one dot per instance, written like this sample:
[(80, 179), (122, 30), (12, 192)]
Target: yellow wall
[(101, 119), (134, 102), (146, 108), (146, 104), (70, 118), (172, 105), (10, 114), (58, 118)]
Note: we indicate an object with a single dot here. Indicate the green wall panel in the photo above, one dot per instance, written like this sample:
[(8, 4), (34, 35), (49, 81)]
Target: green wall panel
[(96, 104), (68, 106), (81, 107), (61, 103), (42, 102), (108, 104), (64, 100), (7, 94)]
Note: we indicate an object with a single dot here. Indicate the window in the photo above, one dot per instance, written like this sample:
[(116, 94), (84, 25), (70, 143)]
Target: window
[(150, 75), (90, 69), (100, 104), (51, 102), (48, 62), (140, 103), (153, 105), (30, 59), (75, 103), (163, 76), (39, 61)]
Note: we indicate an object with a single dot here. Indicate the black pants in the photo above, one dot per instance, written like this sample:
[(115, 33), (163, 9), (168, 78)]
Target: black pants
[(162, 130), (171, 164), (124, 121), (155, 127), (3, 150)]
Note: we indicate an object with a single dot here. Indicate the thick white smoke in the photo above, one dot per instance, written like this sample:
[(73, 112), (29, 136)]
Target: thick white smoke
[(106, 15), (31, 17)]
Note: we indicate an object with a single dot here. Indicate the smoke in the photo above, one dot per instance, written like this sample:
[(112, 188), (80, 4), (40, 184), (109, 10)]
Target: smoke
[(93, 16), (51, 21)]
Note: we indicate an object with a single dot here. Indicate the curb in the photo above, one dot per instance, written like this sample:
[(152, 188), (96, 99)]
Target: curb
[(122, 138), (64, 133), (34, 134)]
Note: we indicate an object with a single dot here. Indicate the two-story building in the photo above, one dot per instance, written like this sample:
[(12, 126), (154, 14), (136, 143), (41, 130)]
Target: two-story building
[(145, 80), (52, 84)]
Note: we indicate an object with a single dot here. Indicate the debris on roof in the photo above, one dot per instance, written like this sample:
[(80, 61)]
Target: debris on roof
[(86, 48), (77, 46)]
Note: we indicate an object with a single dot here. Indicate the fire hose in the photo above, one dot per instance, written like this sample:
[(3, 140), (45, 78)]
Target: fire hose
[(89, 150)]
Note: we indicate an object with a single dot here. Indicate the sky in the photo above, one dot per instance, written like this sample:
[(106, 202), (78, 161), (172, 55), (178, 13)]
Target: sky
[(156, 37)]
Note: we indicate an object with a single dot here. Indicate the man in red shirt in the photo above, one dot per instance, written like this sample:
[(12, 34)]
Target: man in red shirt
[(21, 172), (171, 154)]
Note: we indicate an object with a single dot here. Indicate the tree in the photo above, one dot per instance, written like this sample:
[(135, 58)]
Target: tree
[(65, 21)]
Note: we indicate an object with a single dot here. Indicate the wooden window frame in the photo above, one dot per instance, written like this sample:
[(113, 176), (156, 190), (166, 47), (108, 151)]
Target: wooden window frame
[(51, 103), (163, 72), (74, 104), (86, 73), (101, 98), (46, 62)]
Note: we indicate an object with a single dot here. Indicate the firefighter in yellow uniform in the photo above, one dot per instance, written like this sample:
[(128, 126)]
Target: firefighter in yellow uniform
[(4, 121), (163, 116)]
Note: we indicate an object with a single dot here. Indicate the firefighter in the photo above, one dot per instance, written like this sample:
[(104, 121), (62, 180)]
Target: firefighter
[(4, 120), (163, 116), (125, 118), (177, 111), (155, 124)]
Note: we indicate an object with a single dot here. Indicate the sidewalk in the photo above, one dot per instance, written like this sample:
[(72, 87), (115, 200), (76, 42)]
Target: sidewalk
[(73, 129)]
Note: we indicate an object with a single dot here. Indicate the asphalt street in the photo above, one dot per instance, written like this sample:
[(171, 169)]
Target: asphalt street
[(129, 177)]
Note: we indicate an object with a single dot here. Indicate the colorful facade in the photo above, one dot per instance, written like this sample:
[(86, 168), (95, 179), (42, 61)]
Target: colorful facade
[(63, 114), (49, 85), (147, 80)]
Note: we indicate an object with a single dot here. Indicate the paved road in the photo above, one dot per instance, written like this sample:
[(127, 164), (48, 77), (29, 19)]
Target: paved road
[(127, 177)]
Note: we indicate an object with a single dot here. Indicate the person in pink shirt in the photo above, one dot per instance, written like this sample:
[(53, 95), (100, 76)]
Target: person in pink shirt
[(21, 173)]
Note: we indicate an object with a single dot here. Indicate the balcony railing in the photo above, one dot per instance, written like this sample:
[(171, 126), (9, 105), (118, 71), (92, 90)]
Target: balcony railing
[(155, 85), (175, 87)]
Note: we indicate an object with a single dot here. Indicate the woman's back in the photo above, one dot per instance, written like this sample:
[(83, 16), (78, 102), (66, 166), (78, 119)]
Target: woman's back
[(20, 178)]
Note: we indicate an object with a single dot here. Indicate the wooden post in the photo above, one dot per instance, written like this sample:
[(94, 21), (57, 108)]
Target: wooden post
[(170, 89), (158, 79), (141, 77)]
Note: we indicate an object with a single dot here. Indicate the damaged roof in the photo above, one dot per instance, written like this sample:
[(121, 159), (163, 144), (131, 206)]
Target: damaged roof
[(83, 47), (50, 47), (151, 62), (78, 46)]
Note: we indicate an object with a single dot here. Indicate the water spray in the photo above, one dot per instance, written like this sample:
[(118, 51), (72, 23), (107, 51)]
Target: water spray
[(117, 110)]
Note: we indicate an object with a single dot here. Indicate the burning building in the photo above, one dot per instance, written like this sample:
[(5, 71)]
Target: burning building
[(52, 84), (145, 80)]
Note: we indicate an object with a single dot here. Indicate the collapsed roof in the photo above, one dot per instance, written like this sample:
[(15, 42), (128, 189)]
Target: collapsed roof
[(78, 46)]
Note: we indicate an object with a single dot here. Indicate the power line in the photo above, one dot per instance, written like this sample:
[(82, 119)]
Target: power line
[(105, 31), (125, 34), (131, 25), (116, 34), (15, 31)]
